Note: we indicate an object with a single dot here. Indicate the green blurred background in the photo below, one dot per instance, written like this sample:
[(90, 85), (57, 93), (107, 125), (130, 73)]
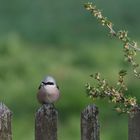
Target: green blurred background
[(60, 38)]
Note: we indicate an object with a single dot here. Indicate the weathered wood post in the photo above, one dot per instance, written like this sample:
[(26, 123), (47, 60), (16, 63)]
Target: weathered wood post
[(89, 123), (134, 127), (46, 123), (5, 123)]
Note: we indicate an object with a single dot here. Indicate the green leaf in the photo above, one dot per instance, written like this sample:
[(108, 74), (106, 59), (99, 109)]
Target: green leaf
[(122, 72)]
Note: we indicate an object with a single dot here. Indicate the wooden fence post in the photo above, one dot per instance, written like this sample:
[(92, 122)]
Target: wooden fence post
[(5, 123), (46, 123), (89, 123), (134, 127)]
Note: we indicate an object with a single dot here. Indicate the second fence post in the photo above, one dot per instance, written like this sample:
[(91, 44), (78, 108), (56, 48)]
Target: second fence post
[(46, 123), (89, 123)]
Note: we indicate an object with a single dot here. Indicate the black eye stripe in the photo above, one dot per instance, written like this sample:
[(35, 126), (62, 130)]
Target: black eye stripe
[(48, 83)]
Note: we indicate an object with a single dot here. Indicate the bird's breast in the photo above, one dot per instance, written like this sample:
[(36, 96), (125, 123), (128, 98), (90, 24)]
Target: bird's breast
[(52, 93)]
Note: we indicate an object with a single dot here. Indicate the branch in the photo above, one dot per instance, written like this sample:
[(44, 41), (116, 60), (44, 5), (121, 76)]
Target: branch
[(130, 47)]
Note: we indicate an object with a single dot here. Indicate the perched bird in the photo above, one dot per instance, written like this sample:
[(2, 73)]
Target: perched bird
[(48, 91)]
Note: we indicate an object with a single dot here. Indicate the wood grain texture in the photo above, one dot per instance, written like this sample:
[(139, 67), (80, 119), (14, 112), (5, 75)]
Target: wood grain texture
[(89, 123), (46, 123), (134, 127), (5, 123)]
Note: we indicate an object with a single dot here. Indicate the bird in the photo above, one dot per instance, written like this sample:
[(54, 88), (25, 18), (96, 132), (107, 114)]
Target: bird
[(48, 91)]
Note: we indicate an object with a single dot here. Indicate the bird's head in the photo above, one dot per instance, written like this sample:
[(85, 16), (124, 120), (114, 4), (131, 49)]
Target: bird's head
[(48, 80)]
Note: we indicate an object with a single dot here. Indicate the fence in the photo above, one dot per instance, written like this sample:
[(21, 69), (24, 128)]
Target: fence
[(46, 124)]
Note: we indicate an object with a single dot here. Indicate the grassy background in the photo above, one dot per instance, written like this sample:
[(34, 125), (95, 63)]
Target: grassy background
[(60, 38)]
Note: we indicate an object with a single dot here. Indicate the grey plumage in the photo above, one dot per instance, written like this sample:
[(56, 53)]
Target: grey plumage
[(49, 79)]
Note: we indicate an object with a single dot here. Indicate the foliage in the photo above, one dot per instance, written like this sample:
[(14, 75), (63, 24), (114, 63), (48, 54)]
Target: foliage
[(55, 23), (124, 103), (23, 65), (61, 45)]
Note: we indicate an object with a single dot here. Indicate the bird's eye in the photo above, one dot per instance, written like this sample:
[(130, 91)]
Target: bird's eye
[(44, 83)]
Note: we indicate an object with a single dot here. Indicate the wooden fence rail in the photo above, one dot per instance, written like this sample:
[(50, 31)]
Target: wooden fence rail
[(46, 124)]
